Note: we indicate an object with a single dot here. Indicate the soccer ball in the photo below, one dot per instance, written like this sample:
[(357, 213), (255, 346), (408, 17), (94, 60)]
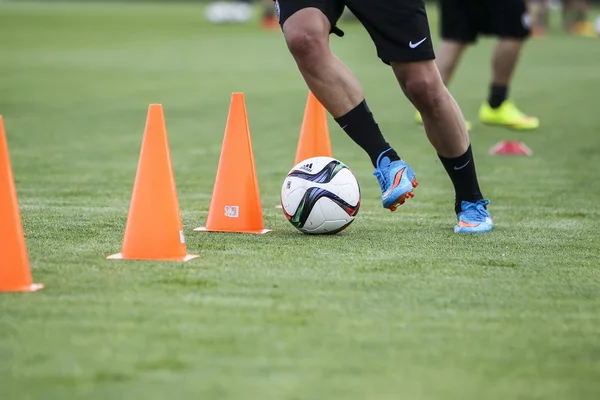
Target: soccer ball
[(320, 195)]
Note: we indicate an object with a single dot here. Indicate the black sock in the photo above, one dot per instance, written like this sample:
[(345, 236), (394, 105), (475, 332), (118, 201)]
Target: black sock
[(360, 125), (464, 178), (498, 94)]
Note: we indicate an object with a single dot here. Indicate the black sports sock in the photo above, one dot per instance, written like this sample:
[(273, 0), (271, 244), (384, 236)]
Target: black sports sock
[(464, 178), (498, 93), (360, 125)]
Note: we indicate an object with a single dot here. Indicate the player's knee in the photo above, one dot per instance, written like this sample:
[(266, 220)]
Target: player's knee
[(305, 44), (306, 35), (424, 91)]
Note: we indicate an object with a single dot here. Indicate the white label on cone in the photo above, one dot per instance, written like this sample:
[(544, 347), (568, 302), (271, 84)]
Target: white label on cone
[(232, 211), (181, 237)]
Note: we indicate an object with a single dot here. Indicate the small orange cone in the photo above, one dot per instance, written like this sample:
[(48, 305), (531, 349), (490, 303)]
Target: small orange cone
[(314, 135), (235, 204), (15, 275), (154, 230), (511, 148)]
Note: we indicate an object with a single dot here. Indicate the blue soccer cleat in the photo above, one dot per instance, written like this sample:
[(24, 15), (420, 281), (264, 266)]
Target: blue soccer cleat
[(474, 218), (397, 181)]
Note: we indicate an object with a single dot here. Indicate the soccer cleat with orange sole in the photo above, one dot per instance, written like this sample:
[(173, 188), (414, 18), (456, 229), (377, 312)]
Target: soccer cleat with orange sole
[(474, 218), (397, 181)]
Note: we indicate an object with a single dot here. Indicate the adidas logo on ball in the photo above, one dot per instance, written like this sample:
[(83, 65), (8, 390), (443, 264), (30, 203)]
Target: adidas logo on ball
[(307, 167)]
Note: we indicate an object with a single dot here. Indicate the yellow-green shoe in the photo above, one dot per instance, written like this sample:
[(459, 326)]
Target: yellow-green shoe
[(584, 28), (419, 120), (507, 115)]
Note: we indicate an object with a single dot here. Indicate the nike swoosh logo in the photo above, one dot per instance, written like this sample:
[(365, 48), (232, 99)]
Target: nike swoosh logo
[(415, 45), (459, 168)]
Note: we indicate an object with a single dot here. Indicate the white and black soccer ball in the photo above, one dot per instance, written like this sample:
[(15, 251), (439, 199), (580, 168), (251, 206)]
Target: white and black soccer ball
[(320, 195)]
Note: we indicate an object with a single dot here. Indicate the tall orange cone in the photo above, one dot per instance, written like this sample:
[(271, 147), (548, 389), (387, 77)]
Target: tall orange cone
[(314, 135), (15, 275), (235, 204), (154, 230)]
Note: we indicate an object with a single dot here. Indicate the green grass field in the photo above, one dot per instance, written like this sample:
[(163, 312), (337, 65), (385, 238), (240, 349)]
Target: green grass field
[(395, 307)]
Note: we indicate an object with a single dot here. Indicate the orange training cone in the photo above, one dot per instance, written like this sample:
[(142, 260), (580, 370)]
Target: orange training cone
[(235, 204), (15, 275), (154, 230), (511, 148), (314, 135)]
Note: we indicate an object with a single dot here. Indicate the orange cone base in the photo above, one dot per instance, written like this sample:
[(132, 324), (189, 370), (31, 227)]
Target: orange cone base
[(120, 256), (261, 232), (511, 147), (34, 287)]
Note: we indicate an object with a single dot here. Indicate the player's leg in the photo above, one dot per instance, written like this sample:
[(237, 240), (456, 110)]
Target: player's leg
[(539, 12), (401, 34), (447, 60), (566, 11), (306, 32), (569, 14), (575, 18), (457, 32), (448, 57), (510, 23), (446, 130), (307, 25)]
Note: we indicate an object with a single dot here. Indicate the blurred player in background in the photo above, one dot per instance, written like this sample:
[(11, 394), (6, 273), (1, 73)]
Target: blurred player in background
[(269, 18), (240, 11), (574, 17), (462, 21), (540, 17)]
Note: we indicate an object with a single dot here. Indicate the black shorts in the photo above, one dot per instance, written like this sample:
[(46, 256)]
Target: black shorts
[(399, 28), (465, 20)]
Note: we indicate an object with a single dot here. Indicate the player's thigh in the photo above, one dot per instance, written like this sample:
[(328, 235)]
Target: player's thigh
[(399, 28), (509, 18), (332, 9), (460, 20)]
